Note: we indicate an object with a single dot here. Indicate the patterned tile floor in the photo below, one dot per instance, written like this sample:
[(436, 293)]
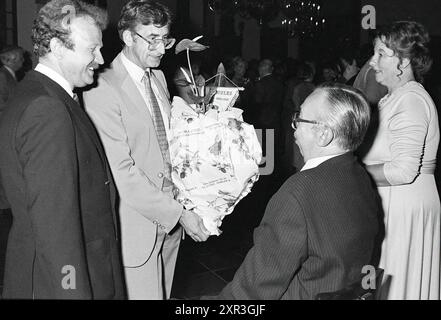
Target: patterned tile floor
[(205, 268)]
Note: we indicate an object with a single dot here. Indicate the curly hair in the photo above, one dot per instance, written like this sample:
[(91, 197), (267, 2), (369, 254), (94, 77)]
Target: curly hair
[(408, 39), (145, 12), (53, 21)]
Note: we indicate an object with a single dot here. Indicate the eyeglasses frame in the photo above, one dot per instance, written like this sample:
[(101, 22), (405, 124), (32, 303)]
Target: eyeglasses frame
[(155, 44), (296, 119)]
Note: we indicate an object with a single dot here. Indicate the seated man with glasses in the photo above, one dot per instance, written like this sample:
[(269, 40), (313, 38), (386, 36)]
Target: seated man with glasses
[(130, 109), (319, 230)]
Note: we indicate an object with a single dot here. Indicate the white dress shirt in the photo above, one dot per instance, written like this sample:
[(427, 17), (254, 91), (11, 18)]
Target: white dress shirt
[(314, 162), (137, 74), (55, 76)]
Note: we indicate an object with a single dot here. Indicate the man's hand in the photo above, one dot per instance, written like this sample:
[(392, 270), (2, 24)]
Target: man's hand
[(194, 226)]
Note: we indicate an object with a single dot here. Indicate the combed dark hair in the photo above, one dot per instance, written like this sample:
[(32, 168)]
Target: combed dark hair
[(145, 12), (348, 116), (408, 39), (53, 22)]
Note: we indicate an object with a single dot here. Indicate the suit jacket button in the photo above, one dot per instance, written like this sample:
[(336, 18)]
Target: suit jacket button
[(160, 175)]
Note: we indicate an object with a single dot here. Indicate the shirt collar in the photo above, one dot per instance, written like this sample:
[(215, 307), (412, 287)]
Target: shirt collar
[(55, 76), (11, 72), (135, 72), (315, 162)]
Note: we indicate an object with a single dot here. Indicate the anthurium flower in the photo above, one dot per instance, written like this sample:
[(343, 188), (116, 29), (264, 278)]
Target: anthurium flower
[(190, 45)]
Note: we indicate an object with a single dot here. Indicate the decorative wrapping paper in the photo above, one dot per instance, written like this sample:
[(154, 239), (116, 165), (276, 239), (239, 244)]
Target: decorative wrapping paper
[(214, 159)]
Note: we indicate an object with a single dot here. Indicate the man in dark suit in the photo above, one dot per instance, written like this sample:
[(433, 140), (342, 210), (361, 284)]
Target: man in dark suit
[(268, 104), (268, 96), (63, 243), (12, 60), (319, 229)]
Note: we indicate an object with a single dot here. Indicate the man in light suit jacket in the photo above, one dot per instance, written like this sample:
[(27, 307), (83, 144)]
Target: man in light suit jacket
[(319, 229), (130, 109), (63, 243)]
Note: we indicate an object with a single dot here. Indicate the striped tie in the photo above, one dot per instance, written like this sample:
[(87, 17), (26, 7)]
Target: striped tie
[(159, 125)]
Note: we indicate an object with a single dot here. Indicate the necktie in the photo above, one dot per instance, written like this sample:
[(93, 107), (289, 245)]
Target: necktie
[(159, 125), (76, 99)]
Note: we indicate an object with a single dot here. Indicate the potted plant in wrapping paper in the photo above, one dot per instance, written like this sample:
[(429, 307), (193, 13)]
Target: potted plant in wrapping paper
[(214, 154), (196, 95)]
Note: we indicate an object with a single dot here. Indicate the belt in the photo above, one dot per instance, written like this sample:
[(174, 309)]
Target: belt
[(428, 167), (427, 170)]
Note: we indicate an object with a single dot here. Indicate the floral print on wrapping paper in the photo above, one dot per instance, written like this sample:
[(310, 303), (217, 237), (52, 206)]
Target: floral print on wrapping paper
[(214, 158)]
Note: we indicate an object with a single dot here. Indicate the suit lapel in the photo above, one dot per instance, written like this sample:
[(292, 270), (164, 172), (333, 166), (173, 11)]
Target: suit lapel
[(87, 126), (11, 83), (11, 80), (55, 90), (130, 92)]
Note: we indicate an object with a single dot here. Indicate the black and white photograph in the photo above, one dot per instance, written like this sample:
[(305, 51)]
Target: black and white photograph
[(220, 154)]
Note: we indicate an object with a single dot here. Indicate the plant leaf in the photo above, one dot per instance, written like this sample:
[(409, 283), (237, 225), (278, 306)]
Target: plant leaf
[(187, 44)]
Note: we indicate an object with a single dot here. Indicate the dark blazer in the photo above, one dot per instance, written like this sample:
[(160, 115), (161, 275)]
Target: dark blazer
[(3, 202), (317, 233), (7, 85), (57, 182), (268, 97)]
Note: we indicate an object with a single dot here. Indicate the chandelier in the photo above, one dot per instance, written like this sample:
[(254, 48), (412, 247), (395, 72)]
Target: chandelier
[(299, 17), (303, 18)]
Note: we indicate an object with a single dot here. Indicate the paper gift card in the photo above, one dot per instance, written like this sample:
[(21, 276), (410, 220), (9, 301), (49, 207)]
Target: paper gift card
[(225, 97)]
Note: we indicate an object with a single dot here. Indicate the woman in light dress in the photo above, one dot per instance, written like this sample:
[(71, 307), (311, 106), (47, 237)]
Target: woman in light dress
[(402, 162)]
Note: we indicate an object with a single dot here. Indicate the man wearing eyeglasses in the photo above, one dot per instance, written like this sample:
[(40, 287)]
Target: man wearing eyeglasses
[(130, 108), (319, 229)]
